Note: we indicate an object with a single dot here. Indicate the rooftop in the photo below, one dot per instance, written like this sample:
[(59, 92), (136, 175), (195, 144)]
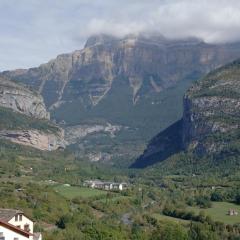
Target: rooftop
[(7, 214), (15, 229)]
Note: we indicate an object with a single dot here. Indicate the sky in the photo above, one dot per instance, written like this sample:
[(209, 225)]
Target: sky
[(35, 31)]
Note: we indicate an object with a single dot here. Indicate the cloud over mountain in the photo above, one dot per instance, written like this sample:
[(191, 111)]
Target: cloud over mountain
[(34, 31)]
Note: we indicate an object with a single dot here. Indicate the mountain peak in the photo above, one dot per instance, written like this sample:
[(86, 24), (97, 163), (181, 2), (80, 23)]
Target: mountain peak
[(155, 39), (99, 39)]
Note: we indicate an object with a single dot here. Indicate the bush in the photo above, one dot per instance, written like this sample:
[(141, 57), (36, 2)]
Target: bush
[(199, 231), (217, 197), (237, 199), (203, 202), (62, 221), (169, 231), (186, 215)]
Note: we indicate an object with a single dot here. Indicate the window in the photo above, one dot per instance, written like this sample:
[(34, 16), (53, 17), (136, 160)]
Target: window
[(20, 217), (16, 218), (15, 238), (26, 228), (2, 236), (18, 226)]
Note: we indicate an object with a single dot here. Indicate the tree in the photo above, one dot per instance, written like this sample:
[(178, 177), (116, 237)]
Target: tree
[(169, 232), (237, 199), (216, 196), (200, 231), (62, 221), (203, 202)]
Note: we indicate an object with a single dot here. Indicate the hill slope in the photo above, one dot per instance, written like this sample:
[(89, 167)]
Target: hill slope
[(211, 121)]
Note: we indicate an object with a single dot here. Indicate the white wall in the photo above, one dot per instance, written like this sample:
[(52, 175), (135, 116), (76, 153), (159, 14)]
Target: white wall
[(10, 235), (24, 221)]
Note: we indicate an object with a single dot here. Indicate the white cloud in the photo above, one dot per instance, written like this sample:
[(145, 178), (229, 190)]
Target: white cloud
[(35, 31)]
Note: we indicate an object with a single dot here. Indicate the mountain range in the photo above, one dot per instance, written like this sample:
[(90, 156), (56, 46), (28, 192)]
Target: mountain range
[(133, 84)]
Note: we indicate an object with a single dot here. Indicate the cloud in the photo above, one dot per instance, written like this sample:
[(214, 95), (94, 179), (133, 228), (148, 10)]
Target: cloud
[(32, 31)]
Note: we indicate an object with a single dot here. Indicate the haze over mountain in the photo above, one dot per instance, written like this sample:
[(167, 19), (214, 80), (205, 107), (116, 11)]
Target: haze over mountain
[(123, 89)]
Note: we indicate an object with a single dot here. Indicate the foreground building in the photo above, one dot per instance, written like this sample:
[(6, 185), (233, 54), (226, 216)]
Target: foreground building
[(15, 225)]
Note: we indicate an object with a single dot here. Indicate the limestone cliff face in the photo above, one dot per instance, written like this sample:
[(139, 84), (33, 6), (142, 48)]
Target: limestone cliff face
[(212, 111), (35, 138), (146, 64), (75, 133), (25, 120), (22, 100), (211, 121)]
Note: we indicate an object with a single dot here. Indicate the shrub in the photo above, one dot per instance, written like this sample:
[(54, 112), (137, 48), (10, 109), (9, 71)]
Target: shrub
[(203, 202), (216, 196)]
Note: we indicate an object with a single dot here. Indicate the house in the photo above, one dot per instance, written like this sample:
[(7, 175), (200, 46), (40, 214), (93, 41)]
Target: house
[(66, 185), (105, 185), (120, 186), (15, 225), (93, 184), (232, 212)]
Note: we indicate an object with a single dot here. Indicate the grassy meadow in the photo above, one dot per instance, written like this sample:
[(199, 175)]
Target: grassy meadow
[(164, 218), (71, 192), (219, 212)]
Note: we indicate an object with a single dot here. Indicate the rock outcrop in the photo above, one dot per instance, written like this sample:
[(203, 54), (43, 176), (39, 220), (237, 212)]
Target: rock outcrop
[(22, 100), (25, 120), (211, 121), (212, 111), (75, 133), (36, 139)]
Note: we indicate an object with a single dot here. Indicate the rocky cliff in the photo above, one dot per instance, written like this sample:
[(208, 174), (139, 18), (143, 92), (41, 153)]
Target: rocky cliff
[(74, 134), (211, 121), (35, 138), (22, 100), (25, 120), (145, 63)]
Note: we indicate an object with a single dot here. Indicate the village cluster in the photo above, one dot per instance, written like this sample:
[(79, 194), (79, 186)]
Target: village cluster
[(105, 185)]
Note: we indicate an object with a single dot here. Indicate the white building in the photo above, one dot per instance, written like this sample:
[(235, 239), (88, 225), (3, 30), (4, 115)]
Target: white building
[(105, 185), (14, 225)]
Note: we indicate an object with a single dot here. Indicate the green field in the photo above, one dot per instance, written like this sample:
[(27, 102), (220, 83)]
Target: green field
[(114, 198), (219, 212), (161, 217), (73, 192)]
